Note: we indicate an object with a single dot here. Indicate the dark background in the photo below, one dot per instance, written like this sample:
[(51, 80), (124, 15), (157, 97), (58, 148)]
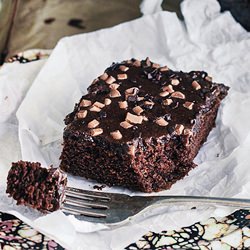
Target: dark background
[(27, 24)]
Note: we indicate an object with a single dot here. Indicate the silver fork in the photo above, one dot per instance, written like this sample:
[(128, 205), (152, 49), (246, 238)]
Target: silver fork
[(113, 208)]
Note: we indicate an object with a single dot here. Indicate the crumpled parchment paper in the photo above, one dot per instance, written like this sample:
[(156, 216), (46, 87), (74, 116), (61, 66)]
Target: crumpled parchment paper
[(208, 40)]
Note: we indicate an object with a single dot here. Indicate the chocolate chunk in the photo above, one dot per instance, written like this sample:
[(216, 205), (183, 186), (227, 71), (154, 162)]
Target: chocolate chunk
[(138, 110), (175, 82), (110, 80), (93, 124), (85, 103), (114, 93), (116, 135), (188, 105), (161, 121), (94, 109), (196, 85), (104, 76), (179, 129), (124, 68), (167, 102), (178, 94), (134, 119), (126, 124), (164, 93), (96, 131), (107, 101), (122, 76), (82, 114), (123, 105), (168, 88)]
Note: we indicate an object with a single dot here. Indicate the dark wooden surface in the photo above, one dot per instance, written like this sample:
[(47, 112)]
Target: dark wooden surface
[(41, 23)]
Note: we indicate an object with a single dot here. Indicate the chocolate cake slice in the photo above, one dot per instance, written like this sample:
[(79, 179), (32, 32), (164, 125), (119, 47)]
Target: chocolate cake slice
[(35, 186), (140, 125)]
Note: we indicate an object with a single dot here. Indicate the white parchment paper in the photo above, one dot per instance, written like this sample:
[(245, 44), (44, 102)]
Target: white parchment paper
[(208, 40)]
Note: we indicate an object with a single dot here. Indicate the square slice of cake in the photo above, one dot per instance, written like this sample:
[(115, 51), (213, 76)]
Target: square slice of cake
[(37, 187), (140, 125)]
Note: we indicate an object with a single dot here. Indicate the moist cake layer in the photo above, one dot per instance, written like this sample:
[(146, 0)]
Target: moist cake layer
[(32, 185)]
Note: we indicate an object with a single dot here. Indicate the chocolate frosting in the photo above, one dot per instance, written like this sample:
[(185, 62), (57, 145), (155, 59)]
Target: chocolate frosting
[(164, 111)]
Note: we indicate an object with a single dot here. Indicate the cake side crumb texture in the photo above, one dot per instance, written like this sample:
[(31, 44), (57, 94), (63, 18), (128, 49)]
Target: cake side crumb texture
[(37, 187)]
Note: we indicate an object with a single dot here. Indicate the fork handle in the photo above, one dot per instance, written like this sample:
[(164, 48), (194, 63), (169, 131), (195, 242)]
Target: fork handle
[(229, 202)]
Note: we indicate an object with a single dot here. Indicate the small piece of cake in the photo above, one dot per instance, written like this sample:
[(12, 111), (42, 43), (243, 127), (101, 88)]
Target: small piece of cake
[(35, 186), (140, 125)]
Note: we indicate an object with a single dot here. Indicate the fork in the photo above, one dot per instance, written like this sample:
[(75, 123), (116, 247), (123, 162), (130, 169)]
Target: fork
[(112, 208)]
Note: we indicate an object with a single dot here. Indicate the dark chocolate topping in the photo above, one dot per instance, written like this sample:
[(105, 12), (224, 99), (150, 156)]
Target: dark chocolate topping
[(146, 100)]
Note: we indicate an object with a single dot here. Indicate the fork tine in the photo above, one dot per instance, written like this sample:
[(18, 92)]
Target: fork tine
[(82, 203), (78, 211), (99, 207), (87, 195)]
